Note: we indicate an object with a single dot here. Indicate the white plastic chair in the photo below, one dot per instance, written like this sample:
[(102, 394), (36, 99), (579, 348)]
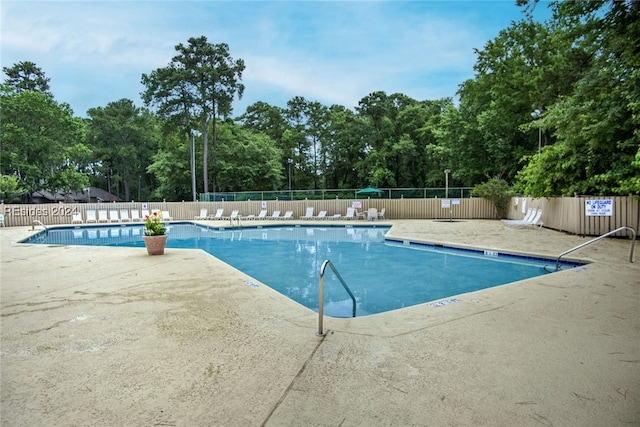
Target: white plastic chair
[(102, 216), (218, 214), (113, 216), (76, 218), (321, 215), (124, 215), (351, 213), (91, 216), (309, 214), (275, 215), (531, 213)]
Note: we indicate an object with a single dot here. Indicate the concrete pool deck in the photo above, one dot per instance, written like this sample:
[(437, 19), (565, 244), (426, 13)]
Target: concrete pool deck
[(113, 337)]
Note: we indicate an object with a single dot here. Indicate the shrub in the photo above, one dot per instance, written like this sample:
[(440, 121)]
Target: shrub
[(497, 191)]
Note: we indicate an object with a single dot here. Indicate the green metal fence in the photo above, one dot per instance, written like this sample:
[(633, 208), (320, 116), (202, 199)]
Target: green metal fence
[(386, 193)]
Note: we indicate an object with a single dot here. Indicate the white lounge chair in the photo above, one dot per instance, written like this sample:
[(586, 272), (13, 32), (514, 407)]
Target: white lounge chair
[(166, 216), (234, 215), (124, 215), (372, 214), (535, 221), (91, 216), (531, 213), (261, 215), (361, 215), (351, 213), (274, 215), (287, 215), (321, 215), (308, 215), (381, 213), (334, 216), (102, 216), (218, 214), (203, 214), (135, 215), (113, 216), (76, 218), (145, 214)]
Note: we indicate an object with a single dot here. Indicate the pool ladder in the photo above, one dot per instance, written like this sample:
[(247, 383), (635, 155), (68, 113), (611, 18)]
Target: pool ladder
[(38, 222), (238, 223), (326, 264), (633, 244)]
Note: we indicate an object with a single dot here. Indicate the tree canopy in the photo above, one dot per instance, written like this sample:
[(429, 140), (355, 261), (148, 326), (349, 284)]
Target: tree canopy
[(552, 109)]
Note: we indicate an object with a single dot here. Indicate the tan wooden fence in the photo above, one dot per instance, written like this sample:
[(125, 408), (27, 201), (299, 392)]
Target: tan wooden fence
[(58, 214), (559, 213), (570, 214)]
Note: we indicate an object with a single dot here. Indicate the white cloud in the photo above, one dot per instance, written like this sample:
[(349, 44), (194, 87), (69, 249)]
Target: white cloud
[(333, 52)]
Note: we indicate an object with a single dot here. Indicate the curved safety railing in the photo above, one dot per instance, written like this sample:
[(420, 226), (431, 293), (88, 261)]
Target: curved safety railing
[(321, 294), (38, 222), (631, 249)]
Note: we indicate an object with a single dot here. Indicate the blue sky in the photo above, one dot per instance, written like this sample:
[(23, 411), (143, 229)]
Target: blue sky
[(95, 52)]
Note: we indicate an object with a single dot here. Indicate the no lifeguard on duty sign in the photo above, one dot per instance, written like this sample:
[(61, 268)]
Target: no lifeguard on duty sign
[(602, 207)]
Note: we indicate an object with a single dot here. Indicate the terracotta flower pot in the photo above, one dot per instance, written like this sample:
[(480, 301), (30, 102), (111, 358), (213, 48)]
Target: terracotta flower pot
[(155, 244)]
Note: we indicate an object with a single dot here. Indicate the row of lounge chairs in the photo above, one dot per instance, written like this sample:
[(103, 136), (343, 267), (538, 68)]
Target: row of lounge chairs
[(531, 219), (134, 215), (309, 214), (115, 215), (235, 215)]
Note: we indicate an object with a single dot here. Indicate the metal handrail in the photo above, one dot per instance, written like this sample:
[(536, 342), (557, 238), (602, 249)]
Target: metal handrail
[(631, 249), (38, 222), (320, 332), (237, 221)]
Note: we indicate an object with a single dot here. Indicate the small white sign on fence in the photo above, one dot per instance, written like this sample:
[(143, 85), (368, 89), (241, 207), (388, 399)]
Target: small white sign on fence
[(446, 203), (602, 207)]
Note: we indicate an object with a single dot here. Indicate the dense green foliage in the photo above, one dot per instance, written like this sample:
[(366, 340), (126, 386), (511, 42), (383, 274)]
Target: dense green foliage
[(42, 143), (198, 85), (579, 70), (497, 191)]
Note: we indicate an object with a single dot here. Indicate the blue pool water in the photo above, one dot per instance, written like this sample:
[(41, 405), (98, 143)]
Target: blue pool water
[(382, 274)]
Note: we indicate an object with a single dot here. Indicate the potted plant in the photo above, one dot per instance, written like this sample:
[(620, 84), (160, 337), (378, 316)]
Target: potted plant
[(155, 234)]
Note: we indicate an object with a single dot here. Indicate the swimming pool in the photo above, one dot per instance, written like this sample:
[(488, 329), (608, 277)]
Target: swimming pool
[(383, 274)]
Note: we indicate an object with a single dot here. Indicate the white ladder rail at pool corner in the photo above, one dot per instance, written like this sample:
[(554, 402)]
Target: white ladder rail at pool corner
[(326, 263), (631, 249), (237, 217), (38, 222)]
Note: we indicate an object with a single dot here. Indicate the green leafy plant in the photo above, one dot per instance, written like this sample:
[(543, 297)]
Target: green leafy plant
[(153, 225), (497, 191)]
